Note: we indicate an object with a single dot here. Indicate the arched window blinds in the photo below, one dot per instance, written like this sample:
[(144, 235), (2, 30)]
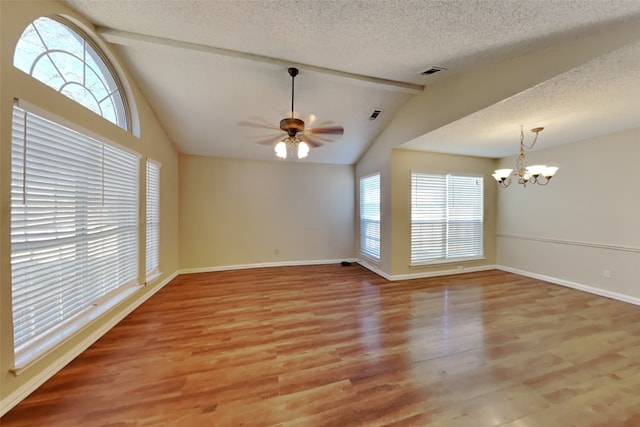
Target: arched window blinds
[(64, 59)]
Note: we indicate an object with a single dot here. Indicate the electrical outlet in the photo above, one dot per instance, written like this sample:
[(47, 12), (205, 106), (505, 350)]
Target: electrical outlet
[(460, 268), (606, 274)]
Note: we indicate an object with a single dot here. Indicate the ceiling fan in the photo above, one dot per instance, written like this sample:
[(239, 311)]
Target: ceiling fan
[(298, 138)]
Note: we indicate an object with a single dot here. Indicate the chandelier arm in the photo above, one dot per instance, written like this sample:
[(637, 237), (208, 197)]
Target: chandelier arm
[(541, 182)]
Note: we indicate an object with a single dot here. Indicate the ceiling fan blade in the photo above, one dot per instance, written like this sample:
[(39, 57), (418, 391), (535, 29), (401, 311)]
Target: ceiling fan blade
[(333, 130), (317, 138), (271, 140), (248, 124), (324, 124), (310, 141)]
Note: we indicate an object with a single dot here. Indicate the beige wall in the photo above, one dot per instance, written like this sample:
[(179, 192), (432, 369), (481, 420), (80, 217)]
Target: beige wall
[(15, 16), (241, 212), (403, 163), (585, 221)]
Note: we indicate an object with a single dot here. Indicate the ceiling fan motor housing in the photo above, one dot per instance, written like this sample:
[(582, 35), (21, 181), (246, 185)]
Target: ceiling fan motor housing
[(292, 126)]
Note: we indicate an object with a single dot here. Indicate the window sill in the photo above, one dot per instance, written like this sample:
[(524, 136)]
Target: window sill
[(445, 261), (370, 260), (153, 275), (42, 348)]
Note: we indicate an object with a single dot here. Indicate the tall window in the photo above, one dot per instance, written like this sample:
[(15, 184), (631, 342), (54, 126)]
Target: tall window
[(63, 58), (74, 225), (446, 218), (153, 219), (370, 216)]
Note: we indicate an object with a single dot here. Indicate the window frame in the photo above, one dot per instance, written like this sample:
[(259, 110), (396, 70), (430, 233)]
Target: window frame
[(90, 48), (446, 221), (366, 232), (28, 351)]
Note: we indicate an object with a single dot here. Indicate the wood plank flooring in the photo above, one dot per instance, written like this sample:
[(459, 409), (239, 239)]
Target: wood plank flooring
[(339, 346)]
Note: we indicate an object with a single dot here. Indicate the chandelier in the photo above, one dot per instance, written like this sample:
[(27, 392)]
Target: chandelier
[(536, 174)]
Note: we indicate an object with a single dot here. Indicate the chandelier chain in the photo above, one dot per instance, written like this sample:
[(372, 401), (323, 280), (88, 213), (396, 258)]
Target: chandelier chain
[(535, 139)]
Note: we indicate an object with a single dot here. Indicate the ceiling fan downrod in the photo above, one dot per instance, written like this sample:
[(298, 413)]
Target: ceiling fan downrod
[(292, 125), (293, 72)]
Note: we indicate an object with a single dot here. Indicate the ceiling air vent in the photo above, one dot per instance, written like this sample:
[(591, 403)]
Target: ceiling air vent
[(375, 114), (432, 70)]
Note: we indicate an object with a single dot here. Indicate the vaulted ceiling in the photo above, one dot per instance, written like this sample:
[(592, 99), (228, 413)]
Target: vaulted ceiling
[(207, 66)]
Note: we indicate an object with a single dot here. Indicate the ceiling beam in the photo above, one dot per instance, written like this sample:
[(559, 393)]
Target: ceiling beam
[(126, 38)]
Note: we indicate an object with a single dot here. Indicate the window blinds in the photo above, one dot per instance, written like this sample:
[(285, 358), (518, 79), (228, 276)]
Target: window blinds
[(446, 217), (153, 219), (370, 216), (74, 232)]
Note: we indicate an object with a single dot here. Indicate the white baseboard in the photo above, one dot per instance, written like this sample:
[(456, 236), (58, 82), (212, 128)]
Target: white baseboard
[(374, 269), (573, 285), (262, 265), (30, 386), (425, 274), (447, 272)]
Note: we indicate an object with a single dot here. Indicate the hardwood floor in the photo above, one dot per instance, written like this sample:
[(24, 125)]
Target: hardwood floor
[(340, 346)]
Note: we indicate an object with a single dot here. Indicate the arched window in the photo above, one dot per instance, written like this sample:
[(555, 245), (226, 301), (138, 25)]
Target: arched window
[(66, 60)]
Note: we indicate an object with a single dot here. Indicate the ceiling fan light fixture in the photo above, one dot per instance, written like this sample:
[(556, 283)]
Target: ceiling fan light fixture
[(303, 149), (281, 149), (291, 146)]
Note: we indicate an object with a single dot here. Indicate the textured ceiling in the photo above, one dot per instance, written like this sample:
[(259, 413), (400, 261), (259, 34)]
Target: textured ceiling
[(201, 94), (599, 97)]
